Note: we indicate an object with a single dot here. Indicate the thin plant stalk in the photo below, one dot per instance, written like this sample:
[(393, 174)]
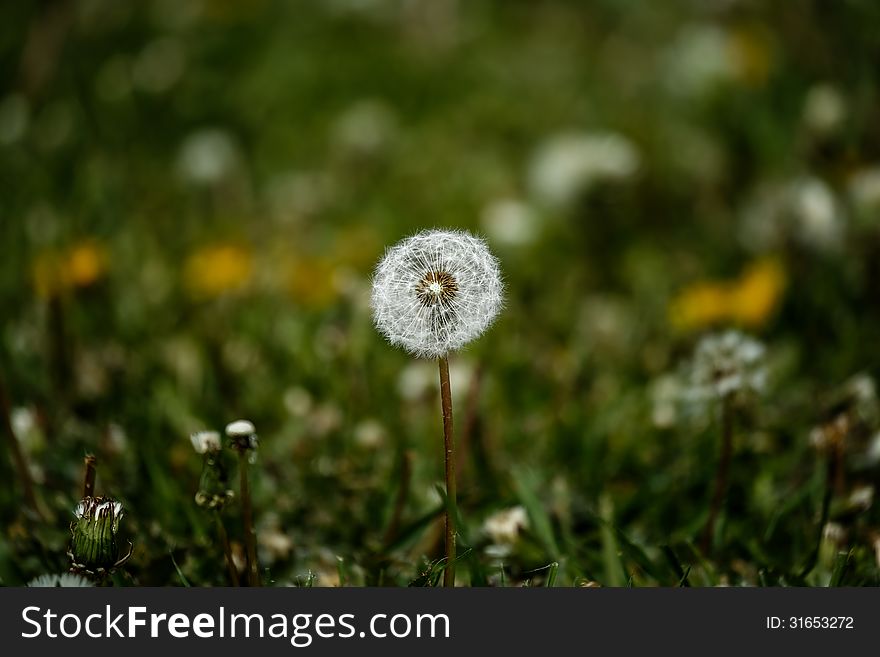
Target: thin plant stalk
[(227, 550), (722, 474), (833, 473), (250, 537), (449, 453), (18, 458), (89, 478)]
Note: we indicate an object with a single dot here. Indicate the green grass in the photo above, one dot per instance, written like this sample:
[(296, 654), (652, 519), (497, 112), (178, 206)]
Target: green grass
[(457, 102)]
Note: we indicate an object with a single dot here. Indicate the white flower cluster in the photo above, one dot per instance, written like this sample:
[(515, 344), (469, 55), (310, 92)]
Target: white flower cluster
[(436, 291), (727, 364)]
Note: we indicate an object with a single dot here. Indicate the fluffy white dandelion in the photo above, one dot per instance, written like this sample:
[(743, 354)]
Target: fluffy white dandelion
[(433, 293), (436, 291)]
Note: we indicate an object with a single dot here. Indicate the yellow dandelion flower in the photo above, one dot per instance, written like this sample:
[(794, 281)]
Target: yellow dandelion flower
[(217, 269), (748, 301), (85, 264), (701, 304), (757, 294), (57, 272)]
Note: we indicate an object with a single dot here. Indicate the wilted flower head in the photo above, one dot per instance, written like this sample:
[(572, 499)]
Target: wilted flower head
[(93, 547), (62, 580), (727, 364), (205, 441), (436, 291)]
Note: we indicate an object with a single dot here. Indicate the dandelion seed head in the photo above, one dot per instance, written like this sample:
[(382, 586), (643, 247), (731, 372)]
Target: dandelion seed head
[(727, 364), (436, 291)]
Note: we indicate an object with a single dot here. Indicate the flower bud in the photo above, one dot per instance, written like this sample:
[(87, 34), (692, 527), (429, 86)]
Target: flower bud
[(93, 546)]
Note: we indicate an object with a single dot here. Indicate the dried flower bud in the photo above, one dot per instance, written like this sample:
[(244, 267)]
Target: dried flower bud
[(93, 546)]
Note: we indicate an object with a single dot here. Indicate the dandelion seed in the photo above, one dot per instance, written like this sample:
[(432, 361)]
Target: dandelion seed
[(435, 292)]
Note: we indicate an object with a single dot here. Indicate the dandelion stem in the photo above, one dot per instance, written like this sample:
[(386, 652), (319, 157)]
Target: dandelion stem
[(449, 445), (722, 474), (89, 479), (24, 474), (227, 550), (250, 537)]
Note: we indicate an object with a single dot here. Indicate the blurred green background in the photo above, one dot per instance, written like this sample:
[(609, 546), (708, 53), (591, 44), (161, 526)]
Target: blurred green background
[(193, 197)]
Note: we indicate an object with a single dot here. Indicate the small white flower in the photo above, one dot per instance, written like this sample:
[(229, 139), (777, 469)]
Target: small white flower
[(62, 580), (726, 364), (435, 292), (205, 441)]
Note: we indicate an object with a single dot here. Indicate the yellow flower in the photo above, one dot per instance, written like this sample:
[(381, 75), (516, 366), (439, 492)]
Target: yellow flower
[(56, 272), (216, 269), (758, 292), (748, 301)]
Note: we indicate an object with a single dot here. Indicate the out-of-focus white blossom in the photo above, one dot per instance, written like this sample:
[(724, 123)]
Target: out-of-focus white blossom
[(824, 109), (805, 212), (864, 194), (207, 156), (504, 527), (727, 364), (569, 164), (699, 58), (510, 221), (369, 433), (366, 128)]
